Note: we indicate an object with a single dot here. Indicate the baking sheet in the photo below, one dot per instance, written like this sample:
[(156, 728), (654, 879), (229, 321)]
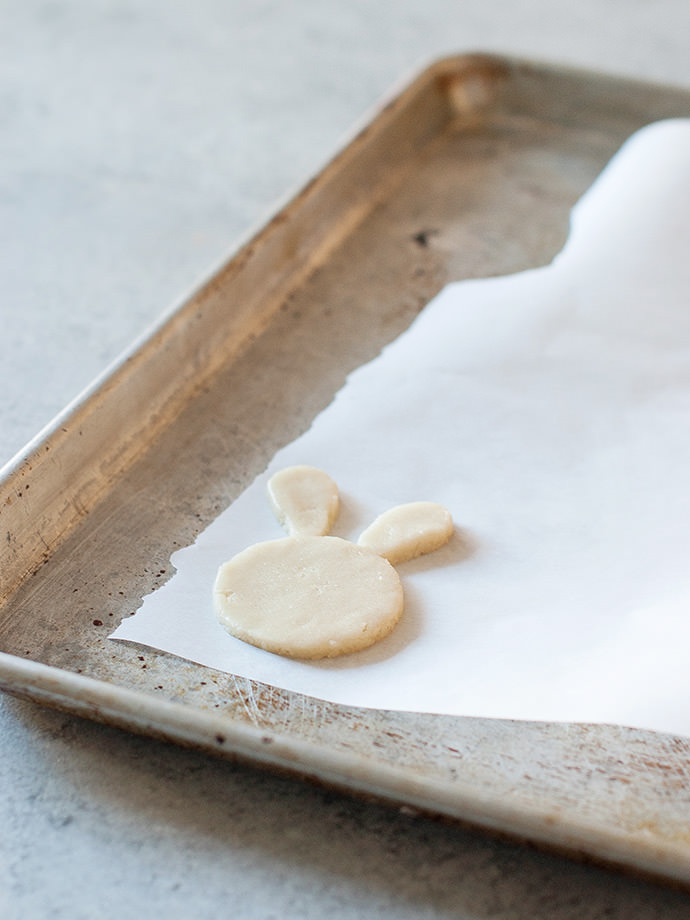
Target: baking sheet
[(547, 411), (498, 152)]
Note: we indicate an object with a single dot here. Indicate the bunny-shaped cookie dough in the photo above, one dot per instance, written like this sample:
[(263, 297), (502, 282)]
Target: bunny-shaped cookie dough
[(312, 596)]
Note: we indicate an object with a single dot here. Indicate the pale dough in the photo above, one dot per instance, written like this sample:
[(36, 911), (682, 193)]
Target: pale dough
[(408, 531), (305, 500), (308, 597), (313, 596)]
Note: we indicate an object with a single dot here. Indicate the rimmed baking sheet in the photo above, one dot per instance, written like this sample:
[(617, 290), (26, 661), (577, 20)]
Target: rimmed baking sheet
[(469, 171)]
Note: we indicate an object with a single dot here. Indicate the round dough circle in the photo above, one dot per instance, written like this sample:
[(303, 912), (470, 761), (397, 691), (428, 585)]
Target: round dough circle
[(308, 597)]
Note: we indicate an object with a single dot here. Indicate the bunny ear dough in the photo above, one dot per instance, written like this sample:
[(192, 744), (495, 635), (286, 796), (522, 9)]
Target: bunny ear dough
[(305, 500), (407, 531)]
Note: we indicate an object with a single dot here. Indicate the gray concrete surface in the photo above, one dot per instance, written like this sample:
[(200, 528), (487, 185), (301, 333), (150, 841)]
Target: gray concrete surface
[(138, 141)]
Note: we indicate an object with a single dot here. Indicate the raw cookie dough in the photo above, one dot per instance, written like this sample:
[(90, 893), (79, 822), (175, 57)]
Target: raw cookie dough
[(313, 596), (308, 597), (305, 500), (408, 531)]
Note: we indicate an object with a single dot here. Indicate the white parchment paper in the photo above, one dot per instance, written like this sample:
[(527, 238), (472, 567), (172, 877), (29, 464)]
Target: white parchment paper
[(550, 412)]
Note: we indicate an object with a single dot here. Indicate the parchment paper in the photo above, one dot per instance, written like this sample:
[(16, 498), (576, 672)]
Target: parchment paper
[(550, 412)]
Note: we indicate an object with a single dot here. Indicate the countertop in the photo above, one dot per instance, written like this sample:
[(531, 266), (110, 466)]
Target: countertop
[(138, 142)]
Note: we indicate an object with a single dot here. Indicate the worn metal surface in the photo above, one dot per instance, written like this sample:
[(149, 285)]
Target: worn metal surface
[(469, 172)]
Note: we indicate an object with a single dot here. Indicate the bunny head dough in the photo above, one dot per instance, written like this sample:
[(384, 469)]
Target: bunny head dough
[(312, 596)]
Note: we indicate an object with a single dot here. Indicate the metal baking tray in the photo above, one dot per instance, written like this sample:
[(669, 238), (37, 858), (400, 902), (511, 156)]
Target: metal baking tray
[(469, 170)]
